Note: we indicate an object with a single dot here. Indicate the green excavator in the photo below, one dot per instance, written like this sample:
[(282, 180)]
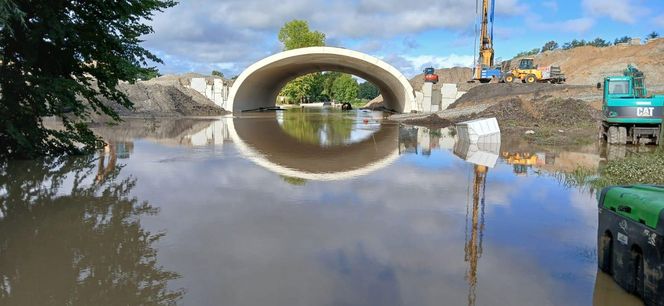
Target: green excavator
[(630, 114)]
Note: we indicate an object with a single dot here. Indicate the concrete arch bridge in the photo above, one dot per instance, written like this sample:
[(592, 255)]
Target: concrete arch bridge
[(259, 85)]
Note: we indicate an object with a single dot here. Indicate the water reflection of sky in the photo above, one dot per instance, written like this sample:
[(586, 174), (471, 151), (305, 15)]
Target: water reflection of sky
[(240, 234), (395, 236)]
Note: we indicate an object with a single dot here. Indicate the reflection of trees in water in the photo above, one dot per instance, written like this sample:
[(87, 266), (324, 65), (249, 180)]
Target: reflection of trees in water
[(295, 181), (79, 246), (317, 128)]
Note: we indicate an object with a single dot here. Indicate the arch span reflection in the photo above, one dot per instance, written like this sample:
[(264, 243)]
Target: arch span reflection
[(264, 141)]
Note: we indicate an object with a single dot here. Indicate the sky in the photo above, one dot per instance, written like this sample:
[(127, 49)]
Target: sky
[(229, 35)]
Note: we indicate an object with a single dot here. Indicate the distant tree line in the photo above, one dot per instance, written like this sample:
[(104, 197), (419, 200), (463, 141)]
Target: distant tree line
[(597, 42)]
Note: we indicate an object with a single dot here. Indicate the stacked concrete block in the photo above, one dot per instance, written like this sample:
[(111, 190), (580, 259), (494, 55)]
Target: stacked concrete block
[(419, 98), (449, 94), (427, 90), (198, 84), (436, 99), (214, 89), (218, 92)]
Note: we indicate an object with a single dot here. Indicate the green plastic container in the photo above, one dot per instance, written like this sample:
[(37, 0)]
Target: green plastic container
[(630, 239)]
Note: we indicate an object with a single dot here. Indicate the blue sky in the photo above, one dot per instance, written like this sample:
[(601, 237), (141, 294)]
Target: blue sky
[(229, 35)]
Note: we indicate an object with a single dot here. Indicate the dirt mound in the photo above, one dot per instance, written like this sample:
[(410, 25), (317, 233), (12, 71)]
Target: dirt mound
[(552, 111), (589, 65), (496, 93), (155, 99), (456, 75)]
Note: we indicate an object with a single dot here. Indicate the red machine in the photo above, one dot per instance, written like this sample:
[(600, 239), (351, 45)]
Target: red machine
[(430, 75)]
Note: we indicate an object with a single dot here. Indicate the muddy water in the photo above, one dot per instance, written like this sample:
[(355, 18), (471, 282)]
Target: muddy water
[(301, 209)]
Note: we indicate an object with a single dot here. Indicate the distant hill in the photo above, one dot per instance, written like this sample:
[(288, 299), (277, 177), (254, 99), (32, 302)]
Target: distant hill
[(589, 65)]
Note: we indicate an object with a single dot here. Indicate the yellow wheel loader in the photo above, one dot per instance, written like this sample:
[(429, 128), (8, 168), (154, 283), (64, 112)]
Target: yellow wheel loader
[(528, 72)]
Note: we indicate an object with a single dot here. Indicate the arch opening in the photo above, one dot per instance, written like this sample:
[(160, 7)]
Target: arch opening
[(323, 87), (259, 85)]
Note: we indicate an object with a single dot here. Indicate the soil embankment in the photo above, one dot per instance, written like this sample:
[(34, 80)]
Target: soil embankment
[(166, 96), (589, 65), (547, 113)]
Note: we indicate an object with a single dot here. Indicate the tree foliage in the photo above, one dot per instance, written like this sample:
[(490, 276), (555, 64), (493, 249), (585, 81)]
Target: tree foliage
[(300, 89), (621, 40), (653, 35), (217, 73), (296, 34), (345, 88), (293, 35), (528, 53), (62, 59), (550, 46), (368, 91)]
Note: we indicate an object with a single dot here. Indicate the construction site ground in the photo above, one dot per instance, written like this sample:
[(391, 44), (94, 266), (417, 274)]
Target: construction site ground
[(542, 113), (549, 113)]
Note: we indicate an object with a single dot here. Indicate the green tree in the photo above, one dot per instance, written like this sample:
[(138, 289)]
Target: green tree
[(550, 46), (528, 53), (599, 42), (62, 58), (299, 90), (653, 35), (624, 39), (345, 88), (217, 73), (296, 34), (293, 35), (148, 75), (368, 91), (8, 9), (328, 81)]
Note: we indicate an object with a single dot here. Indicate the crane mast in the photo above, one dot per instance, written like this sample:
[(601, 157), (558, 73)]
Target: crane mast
[(485, 61)]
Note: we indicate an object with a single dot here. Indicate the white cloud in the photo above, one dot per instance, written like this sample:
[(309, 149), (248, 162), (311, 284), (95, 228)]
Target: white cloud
[(413, 65), (627, 11), (578, 25), (207, 32)]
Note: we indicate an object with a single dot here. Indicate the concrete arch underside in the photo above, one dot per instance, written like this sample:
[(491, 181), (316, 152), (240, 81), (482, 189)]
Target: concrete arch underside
[(263, 141), (259, 85)]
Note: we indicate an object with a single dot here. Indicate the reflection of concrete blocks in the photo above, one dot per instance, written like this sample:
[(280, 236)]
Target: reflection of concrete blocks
[(478, 153), (486, 130)]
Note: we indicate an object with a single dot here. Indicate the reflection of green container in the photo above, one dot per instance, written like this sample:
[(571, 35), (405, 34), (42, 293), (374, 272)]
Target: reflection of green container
[(631, 239)]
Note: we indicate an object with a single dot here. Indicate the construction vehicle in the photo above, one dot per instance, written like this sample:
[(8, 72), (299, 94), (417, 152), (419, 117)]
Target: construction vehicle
[(484, 70), (520, 162), (430, 75), (630, 115), (528, 72)]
